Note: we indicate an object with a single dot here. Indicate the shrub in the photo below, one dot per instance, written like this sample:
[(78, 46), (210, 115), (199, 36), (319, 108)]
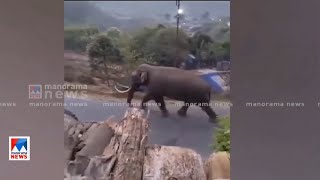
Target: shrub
[(222, 135), (77, 39)]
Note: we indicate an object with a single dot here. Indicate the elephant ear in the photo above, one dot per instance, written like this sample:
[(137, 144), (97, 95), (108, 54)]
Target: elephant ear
[(144, 77)]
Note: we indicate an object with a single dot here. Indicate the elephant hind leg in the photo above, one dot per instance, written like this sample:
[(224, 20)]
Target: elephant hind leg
[(162, 106), (212, 115)]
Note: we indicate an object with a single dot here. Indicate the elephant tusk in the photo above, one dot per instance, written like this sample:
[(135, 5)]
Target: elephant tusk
[(119, 91), (123, 85)]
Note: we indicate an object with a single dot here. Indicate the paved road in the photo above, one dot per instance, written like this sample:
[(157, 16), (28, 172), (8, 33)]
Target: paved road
[(194, 131)]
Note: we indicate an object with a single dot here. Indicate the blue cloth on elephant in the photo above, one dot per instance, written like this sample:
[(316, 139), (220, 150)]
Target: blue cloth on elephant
[(215, 81)]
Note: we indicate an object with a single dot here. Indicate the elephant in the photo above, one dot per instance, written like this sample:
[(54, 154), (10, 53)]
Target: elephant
[(173, 83)]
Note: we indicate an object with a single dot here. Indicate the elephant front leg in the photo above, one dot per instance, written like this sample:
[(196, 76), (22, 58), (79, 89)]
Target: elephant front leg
[(162, 106), (212, 115), (183, 110), (130, 96), (144, 101)]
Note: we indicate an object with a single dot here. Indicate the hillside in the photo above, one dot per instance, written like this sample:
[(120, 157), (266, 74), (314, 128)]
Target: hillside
[(88, 14)]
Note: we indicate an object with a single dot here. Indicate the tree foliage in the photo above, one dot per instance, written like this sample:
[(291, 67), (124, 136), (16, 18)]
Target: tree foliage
[(102, 48), (160, 45), (103, 53), (77, 38), (113, 33), (208, 51)]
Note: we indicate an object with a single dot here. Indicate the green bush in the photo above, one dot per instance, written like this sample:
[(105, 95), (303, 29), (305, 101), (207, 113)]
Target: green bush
[(222, 135), (77, 39), (159, 45)]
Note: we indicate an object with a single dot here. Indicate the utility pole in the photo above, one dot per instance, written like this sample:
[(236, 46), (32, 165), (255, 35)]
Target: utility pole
[(180, 11)]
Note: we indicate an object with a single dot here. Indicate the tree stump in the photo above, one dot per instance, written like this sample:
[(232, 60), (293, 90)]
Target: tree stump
[(106, 153)]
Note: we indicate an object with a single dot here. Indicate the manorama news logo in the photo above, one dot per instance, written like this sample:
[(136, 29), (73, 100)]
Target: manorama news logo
[(35, 91), (38, 91), (19, 148)]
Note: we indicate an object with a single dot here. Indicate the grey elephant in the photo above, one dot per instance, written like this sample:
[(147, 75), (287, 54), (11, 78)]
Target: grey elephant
[(174, 83)]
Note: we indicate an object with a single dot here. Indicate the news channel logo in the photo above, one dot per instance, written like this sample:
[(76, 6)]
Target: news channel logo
[(35, 91), (19, 148), (56, 91)]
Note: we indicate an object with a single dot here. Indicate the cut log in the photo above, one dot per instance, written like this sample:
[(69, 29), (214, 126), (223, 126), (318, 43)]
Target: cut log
[(111, 153), (172, 163), (127, 147), (118, 151)]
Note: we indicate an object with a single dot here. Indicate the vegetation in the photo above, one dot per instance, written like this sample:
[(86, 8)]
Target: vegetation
[(103, 54), (222, 135), (158, 45), (77, 39), (218, 31)]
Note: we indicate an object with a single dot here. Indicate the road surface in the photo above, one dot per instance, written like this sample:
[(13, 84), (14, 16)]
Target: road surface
[(193, 132)]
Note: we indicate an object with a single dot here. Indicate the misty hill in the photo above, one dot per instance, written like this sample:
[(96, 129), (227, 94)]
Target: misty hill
[(157, 8), (130, 16), (88, 13)]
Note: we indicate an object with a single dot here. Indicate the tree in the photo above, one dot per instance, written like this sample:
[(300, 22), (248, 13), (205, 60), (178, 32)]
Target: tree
[(103, 53), (113, 32), (226, 46), (221, 51), (140, 39), (163, 48), (77, 38), (208, 51), (201, 43)]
